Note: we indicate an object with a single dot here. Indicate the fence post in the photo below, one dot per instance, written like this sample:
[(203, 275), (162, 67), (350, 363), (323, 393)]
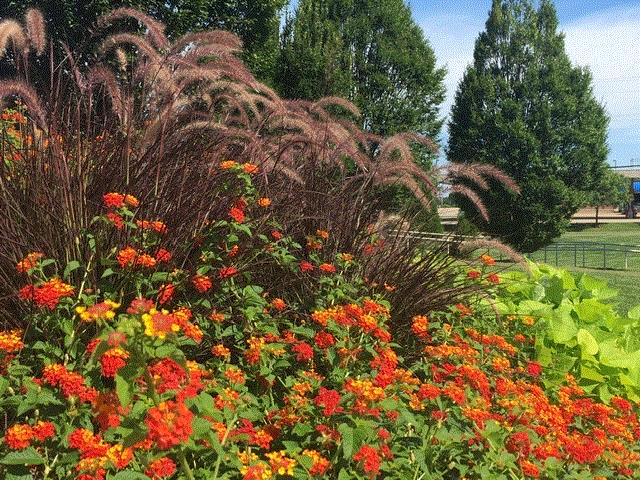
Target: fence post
[(626, 265), (604, 255), (583, 262), (556, 254), (545, 254), (575, 254)]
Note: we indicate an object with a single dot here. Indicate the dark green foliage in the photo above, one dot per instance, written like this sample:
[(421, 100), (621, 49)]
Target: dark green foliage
[(524, 108), (373, 53), (613, 189), (255, 22)]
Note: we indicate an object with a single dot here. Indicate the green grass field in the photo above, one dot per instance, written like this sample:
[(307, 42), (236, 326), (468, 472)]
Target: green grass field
[(627, 282)]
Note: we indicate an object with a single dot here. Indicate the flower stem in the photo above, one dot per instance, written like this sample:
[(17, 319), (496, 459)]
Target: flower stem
[(222, 442), (185, 466)]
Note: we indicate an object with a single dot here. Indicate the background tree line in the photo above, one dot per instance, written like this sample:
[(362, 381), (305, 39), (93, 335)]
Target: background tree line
[(521, 106)]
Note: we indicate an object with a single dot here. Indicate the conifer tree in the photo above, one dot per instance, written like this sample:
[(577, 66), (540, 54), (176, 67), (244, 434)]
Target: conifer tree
[(523, 107)]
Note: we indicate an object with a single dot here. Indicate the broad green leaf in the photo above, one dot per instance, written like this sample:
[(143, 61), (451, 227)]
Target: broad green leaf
[(302, 429), (71, 266), (346, 433), (534, 307), (562, 327), (123, 390), (135, 436), (157, 277), (28, 456), (544, 354), (591, 374), (291, 446), (128, 475), (634, 313), (344, 475), (306, 462), (4, 384), (554, 291), (107, 273), (200, 426), (613, 356), (592, 310), (587, 343), (18, 472)]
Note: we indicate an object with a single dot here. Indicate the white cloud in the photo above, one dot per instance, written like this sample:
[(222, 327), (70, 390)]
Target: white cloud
[(608, 42)]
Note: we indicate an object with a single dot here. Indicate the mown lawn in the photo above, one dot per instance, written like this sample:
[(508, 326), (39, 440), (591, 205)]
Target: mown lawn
[(626, 233)]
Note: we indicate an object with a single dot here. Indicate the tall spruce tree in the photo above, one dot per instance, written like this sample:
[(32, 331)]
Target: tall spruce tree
[(255, 22), (524, 108), (373, 53)]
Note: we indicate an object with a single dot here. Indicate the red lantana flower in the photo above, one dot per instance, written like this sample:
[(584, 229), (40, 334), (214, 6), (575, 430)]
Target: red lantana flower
[(169, 424)]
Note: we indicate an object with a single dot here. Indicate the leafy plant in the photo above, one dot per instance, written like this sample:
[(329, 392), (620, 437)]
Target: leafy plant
[(577, 330), (524, 108), (199, 371)]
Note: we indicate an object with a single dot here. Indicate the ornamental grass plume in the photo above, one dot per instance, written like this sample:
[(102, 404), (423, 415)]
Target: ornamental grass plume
[(159, 125)]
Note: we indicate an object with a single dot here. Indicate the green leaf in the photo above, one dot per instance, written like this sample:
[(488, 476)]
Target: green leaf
[(291, 446), (129, 475), (200, 426), (591, 374), (71, 266), (562, 328), (554, 292), (4, 384), (592, 310), (28, 456), (302, 429), (346, 433), (123, 390), (613, 356), (135, 436), (634, 313), (157, 277), (15, 472), (47, 262), (603, 392), (587, 343), (107, 273), (306, 462), (344, 475)]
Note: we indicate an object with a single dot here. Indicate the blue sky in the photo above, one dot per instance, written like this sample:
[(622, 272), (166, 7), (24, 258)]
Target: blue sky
[(603, 35)]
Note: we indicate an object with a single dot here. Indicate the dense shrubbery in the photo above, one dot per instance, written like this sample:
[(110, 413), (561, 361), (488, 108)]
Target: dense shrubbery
[(578, 331), (203, 372)]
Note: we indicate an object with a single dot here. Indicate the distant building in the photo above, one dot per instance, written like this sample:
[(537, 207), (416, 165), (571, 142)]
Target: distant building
[(632, 172)]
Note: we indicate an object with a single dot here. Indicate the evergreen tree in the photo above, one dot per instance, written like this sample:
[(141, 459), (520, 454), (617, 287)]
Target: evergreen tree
[(524, 108), (255, 22), (373, 53)]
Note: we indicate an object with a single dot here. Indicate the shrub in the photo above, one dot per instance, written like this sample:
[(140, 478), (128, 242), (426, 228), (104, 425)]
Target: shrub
[(577, 330)]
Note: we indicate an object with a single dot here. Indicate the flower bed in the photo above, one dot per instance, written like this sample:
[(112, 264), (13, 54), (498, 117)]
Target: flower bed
[(144, 368)]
